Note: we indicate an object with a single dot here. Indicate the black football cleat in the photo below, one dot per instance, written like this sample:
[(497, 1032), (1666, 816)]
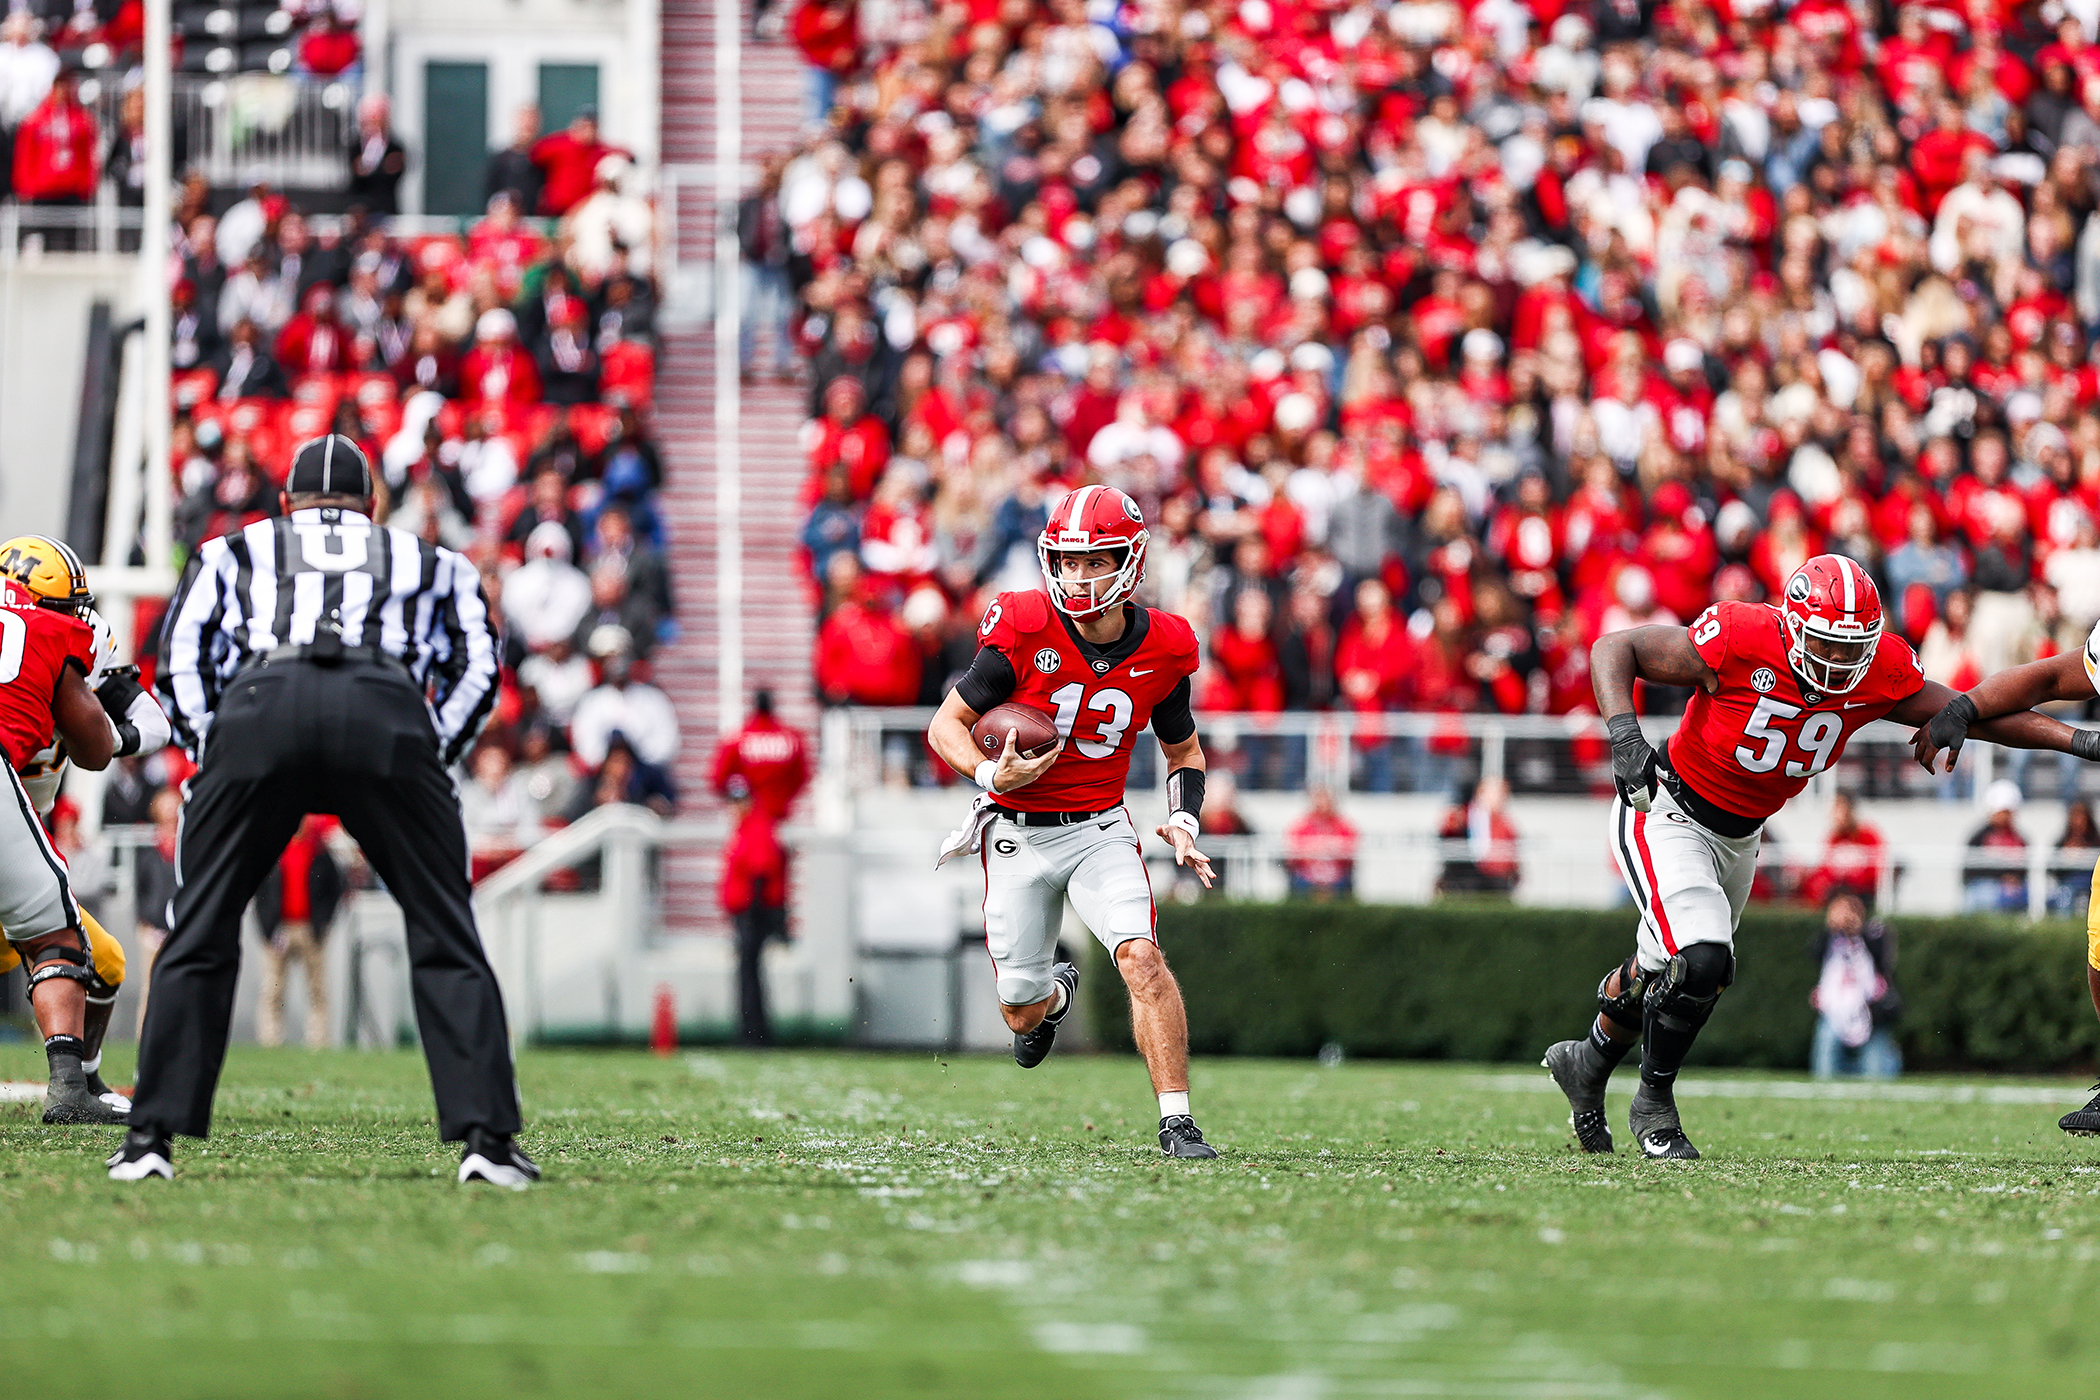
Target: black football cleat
[(1582, 1074), (69, 1099), (145, 1154), (497, 1161), (1180, 1137), (1031, 1048), (1656, 1129), (2083, 1122), (99, 1087)]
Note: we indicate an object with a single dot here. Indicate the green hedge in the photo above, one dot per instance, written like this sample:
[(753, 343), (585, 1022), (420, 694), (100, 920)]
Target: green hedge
[(1475, 982)]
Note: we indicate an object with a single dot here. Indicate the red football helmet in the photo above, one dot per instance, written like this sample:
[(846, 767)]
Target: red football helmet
[(1094, 520), (1833, 622)]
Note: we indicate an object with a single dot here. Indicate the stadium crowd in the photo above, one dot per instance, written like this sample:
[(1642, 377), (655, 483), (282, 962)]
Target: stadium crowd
[(502, 381), (1436, 339)]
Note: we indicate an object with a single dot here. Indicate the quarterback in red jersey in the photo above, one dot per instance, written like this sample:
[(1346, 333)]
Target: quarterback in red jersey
[(1778, 692), (1055, 826), (47, 651)]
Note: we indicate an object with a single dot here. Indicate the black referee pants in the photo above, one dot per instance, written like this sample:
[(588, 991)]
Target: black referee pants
[(353, 740)]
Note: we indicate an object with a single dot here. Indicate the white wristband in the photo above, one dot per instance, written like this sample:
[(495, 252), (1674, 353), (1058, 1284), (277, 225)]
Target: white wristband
[(1187, 822), (986, 771)]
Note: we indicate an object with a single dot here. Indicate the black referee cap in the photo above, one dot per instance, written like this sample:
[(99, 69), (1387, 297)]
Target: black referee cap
[(330, 466)]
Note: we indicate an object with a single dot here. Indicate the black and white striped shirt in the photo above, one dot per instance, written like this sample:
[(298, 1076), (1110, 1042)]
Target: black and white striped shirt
[(274, 583)]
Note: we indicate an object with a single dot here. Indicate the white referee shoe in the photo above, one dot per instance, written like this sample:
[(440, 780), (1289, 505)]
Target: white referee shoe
[(496, 1161), (144, 1154)]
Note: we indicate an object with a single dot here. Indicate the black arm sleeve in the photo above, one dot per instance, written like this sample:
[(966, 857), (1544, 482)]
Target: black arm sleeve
[(989, 681), (1173, 721)]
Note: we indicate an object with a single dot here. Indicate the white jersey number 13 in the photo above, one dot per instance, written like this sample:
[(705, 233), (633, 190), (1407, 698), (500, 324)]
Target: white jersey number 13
[(1112, 703)]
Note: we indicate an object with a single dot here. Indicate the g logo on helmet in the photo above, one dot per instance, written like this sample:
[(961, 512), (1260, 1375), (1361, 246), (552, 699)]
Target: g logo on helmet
[(1797, 586), (1130, 508), (1047, 660), (1762, 680)]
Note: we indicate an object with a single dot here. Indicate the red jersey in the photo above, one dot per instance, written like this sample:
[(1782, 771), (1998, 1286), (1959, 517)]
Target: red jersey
[(1759, 738), (36, 645), (1100, 697), (771, 757)]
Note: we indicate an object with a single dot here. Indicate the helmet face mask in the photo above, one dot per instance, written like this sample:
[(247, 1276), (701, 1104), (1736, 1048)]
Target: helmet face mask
[(1096, 523), (49, 569), (1833, 623)]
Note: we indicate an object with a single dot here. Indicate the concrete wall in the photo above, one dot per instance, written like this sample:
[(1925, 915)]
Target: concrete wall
[(43, 337)]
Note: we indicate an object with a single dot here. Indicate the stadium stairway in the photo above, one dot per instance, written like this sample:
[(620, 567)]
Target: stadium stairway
[(778, 627)]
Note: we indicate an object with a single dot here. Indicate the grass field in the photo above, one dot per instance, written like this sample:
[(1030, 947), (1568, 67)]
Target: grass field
[(720, 1224)]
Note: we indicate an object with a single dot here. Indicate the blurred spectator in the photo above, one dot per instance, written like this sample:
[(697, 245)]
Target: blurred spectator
[(56, 156), (293, 909), (247, 369), (754, 895), (546, 598), (498, 369), (2071, 866), (771, 759), (1946, 656), (153, 891), (864, 655), (544, 769), (834, 523), (609, 230), (1855, 996), (1320, 847), (377, 159), (501, 817), (1243, 671), (129, 790), (1479, 818), (28, 67), (548, 504), (1924, 559), (1996, 882), (512, 170), (762, 239), (559, 678), (1221, 816), (623, 705), (568, 163), (1854, 857), (621, 776), (828, 33)]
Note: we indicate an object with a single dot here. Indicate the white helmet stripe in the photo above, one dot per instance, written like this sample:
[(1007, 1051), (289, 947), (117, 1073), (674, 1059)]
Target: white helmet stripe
[(1077, 509), (1845, 567)]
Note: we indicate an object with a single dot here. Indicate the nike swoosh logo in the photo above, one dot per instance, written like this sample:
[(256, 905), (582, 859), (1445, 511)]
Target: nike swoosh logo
[(1146, 672), (1854, 705)]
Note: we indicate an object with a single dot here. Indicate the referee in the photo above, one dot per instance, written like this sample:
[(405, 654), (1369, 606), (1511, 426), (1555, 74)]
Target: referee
[(319, 662)]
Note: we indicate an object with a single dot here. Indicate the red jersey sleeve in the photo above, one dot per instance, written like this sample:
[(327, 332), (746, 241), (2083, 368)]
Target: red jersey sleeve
[(1011, 619), (1178, 639), (1710, 634), (1897, 674)]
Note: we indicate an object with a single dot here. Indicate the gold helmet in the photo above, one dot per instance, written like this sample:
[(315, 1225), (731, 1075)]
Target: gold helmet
[(48, 568)]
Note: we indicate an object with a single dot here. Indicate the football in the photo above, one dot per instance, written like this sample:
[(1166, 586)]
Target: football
[(1034, 734)]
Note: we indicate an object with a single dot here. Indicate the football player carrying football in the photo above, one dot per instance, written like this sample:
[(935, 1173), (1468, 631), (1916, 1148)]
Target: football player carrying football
[(1055, 825), (2070, 675), (1779, 691)]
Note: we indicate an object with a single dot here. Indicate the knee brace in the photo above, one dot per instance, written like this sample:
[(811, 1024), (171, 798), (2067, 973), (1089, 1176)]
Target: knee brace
[(1623, 1009), (69, 963), (1681, 997), (99, 992)]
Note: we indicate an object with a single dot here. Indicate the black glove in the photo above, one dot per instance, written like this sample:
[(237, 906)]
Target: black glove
[(1632, 762), (1949, 729), (2085, 744), (118, 688)]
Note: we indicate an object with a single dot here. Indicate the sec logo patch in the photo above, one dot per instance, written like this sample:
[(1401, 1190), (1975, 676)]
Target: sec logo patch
[(1047, 660), (1762, 680)]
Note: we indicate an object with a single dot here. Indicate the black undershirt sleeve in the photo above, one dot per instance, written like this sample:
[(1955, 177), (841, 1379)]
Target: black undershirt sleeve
[(989, 681), (1173, 720)]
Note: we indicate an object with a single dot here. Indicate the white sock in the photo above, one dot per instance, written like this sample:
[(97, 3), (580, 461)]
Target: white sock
[(1059, 1000), (1174, 1105), (90, 1066)]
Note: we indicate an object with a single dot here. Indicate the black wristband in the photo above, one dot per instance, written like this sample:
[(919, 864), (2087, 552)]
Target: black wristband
[(2085, 743), (127, 738), (1185, 792)]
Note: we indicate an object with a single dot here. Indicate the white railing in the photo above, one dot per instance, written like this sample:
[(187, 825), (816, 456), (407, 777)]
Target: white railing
[(292, 132), (1398, 751)]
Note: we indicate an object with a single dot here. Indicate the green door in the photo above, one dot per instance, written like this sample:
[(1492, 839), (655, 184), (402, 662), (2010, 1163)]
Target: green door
[(455, 136), (564, 87)]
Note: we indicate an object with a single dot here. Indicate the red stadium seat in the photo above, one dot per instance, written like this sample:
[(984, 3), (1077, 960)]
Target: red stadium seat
[(593, 424), (193, 387), (374, 388), (308, 420)]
